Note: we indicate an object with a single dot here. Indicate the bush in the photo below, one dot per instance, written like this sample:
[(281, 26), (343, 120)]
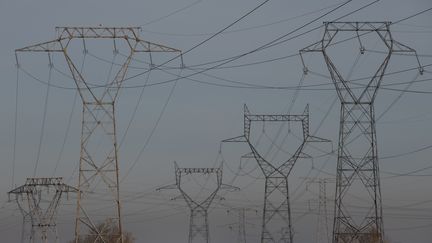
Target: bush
[(110, 233)]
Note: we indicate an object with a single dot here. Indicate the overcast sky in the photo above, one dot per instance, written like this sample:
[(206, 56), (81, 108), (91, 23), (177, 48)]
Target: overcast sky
[(186, 120)]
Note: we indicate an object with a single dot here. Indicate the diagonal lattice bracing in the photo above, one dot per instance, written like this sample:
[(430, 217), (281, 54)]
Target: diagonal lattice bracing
[(357, 165), (276, 207), (38, 200), (99, 167), (198, 221)]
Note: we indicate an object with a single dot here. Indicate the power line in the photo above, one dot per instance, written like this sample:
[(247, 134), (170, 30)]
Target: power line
[(43, 117), (69, 121), (147, 142), (249, 52), (246, 28), (172, 13)]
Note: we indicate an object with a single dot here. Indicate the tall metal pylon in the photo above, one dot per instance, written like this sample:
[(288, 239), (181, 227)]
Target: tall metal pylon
[(276, 207), (38, 200), (99, 167), (323, 233), (357, 164), (198, 221)]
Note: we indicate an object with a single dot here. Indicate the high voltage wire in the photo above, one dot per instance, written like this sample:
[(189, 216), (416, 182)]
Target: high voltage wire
[(69, 121), (246, 28), (172, 13), (309, 87), (199, 44), (179, 75), (45, 109), (250, 52), (152, 132)]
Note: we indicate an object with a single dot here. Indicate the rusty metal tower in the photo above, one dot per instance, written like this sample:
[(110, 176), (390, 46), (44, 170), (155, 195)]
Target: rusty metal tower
[(198, 222), (276, 221), (357, 164), (99, 167), (38, 200)]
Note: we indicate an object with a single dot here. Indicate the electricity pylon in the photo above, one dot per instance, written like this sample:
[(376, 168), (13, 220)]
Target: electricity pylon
[(276, 207), (323, 234), (198, 221), (38, 200), (99, 167), (241, 224), (357, 164)]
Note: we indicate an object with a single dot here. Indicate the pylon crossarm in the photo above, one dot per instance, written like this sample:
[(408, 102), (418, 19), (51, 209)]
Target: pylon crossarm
[(97, 32), (402, 48), (238, 139), (276, 118), (48, 46), (130, 34), (364, 26), (199, 170), (146, 46), (315, 47)]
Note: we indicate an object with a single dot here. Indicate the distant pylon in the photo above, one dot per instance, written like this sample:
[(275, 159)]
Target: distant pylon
[(198, 221), (276, 207), (241, 223), (323, 233), (99, 166), (38, 200), (357, 164)]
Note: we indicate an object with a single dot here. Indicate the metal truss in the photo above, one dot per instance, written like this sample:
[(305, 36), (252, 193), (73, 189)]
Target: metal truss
[(322, 235), (198, 222), (241, 223), (38, 200), (98, 166), (276, 194), (357, 164)]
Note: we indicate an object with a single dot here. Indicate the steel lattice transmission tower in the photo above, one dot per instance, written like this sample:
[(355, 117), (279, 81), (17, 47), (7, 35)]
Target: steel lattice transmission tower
[(357, 164), (276, 193), (241, 236), (38, 200), (198, 222), (99, 166), (322, 222), (241, 223)]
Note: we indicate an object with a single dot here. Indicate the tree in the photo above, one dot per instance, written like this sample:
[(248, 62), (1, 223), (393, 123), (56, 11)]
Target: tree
[(110, 234)]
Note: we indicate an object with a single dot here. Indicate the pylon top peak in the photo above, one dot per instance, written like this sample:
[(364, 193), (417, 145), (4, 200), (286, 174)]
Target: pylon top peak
[(358, 26), (97, 32)]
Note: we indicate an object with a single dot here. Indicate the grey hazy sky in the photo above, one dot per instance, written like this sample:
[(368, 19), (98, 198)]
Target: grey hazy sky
[(200, 115)]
